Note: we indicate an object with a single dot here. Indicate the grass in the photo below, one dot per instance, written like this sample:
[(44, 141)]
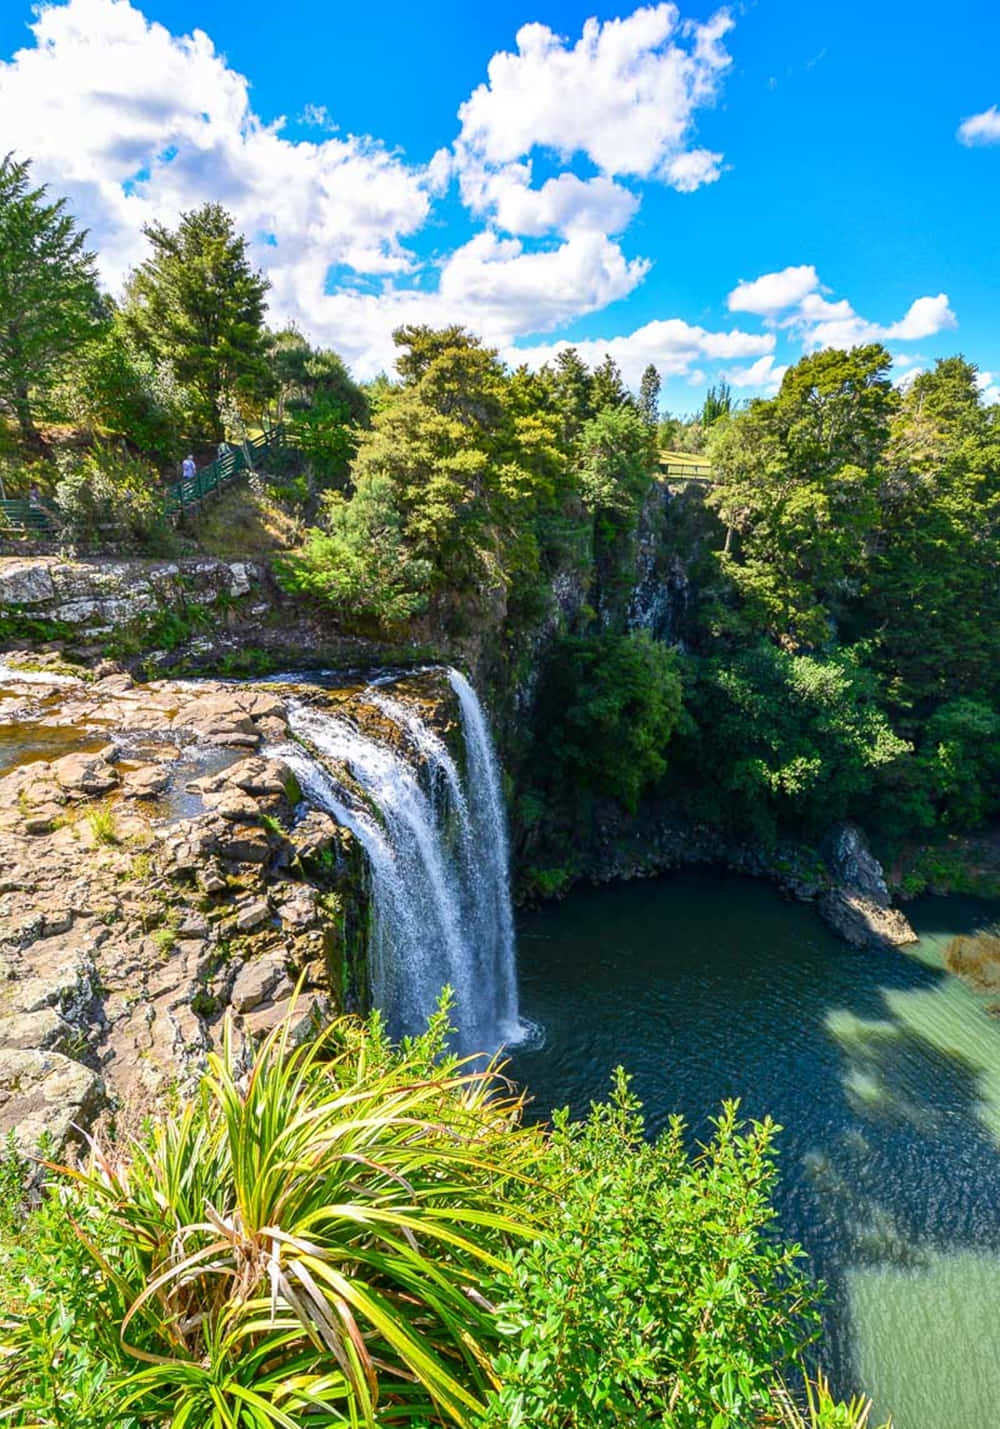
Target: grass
[(103, 828), (684, 458), (243, 525)]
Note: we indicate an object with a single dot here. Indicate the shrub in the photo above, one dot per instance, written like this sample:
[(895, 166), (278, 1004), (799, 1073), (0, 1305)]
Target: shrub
[(360, 564), (305, 1242), (657, 1294), (107, 494)]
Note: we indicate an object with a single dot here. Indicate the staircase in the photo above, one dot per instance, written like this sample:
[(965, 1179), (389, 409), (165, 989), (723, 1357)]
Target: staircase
[(187, 495), (28, 518)]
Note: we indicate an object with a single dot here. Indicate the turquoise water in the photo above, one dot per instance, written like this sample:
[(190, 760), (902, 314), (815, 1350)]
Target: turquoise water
[(883, 1069)]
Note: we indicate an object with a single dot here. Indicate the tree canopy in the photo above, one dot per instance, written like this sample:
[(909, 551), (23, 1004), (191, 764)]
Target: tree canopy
[(197, 306), (49, 302)]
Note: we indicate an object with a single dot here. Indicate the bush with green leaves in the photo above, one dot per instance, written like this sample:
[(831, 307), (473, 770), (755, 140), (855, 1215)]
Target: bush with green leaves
[(609, 705), (358, 563), (122, 391), (308, 1241), (105, 493), (657, 1293)]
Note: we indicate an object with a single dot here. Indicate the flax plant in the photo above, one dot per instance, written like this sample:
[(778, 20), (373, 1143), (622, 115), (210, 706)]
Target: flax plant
[(308, 1242)]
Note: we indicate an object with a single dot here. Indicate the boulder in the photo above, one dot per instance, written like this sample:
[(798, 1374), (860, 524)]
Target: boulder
[(85, 776), (41, 1029), (46, 1097), (863, 922), (146, 782), (260, 981)]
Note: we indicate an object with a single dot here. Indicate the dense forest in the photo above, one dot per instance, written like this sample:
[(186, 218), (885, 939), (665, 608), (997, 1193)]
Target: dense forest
[(829, 650)]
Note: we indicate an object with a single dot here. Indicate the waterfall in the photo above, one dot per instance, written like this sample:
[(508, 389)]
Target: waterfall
[(437, 849)]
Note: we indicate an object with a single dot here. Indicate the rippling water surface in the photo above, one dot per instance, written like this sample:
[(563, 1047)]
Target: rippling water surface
[(883, 1069)]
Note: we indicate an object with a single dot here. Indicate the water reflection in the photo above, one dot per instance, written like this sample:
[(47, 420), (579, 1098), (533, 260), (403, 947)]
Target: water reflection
[(883, 1068)]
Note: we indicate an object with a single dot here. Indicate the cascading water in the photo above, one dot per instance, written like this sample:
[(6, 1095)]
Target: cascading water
[(437, 849)]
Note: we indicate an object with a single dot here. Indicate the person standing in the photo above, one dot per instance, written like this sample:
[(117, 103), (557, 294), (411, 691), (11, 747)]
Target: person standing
[(188, 468)]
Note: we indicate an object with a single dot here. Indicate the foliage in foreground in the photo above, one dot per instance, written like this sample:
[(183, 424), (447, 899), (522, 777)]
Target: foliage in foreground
[(348, 1233), (657, 1296), (306, 1243)]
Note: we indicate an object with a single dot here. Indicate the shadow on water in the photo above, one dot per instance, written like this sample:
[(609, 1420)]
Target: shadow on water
[(883, 1069)]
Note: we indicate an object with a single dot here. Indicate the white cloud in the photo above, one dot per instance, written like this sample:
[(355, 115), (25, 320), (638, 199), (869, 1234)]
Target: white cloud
[(989, 387), (687, 172), (562, 204), (135, 124), (772, 293), (503, 290), (837, 325), (923, 318), (317, 116), (980, 128), (764, 375), (673, 347), (793, 299), (624, 95)]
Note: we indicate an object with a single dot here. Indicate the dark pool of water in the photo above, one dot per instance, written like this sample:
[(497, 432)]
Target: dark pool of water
[(883, 1069)]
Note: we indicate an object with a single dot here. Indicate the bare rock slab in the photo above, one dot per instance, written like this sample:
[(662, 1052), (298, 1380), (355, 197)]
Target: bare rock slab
[(45, 1096)]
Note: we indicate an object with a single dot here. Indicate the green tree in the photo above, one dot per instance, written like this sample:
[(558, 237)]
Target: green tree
[(615, 463), (785, 742), (49, 303), (649, 395), (718, 403), (573, 393), (197, 306), (319, 403), (120, 390), (608, 386), (933, 599), (797, 478), (358, 562), (608, 706)]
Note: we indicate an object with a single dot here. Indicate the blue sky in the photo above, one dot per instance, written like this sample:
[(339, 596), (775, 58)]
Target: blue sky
[(714, 189)]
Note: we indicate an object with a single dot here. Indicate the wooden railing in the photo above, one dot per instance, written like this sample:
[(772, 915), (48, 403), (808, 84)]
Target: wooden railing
[(184, 495)]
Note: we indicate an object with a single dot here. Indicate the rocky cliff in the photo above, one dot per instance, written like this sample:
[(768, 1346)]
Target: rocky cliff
[(159, 867)]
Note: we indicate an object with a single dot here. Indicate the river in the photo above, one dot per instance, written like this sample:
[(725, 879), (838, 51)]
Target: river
[(882, 1068)]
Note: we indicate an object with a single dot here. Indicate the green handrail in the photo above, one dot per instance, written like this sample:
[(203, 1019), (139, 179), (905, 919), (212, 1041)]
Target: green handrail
[(190, 491), (29, 518)]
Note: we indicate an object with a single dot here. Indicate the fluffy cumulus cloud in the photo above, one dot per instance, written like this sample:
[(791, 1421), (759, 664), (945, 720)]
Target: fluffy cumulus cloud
[(136, 124), (793, 299), (773, 293), (980, 128), (673, 347), (625, 95)]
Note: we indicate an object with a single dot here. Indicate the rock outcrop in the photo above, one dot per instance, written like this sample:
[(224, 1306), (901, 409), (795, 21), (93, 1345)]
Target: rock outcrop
[(98, 596), (858, 905), (152, 876)]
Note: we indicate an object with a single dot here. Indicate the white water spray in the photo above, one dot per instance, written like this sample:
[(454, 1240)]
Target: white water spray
[(437, 849)]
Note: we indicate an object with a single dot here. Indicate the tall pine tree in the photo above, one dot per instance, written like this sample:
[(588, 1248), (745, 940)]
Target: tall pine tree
[(49, 303), (198, 306)]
